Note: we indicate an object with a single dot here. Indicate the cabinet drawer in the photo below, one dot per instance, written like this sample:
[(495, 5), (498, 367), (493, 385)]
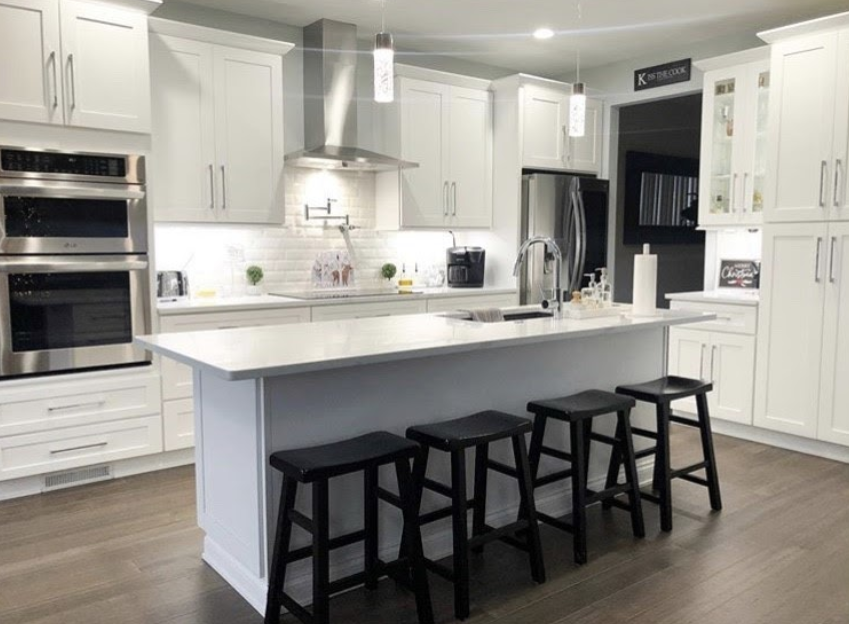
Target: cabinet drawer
[(730, 319), (368, 310), (450, 304), (178, 424), (176, 377), (62, 449), (45, 407)]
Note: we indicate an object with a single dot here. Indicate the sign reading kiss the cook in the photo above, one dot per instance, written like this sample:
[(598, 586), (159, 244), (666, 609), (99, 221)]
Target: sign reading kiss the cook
[(744, 274), (662, 75)]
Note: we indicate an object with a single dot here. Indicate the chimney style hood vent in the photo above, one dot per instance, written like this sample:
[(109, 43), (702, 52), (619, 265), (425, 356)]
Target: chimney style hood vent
[(330, 103)]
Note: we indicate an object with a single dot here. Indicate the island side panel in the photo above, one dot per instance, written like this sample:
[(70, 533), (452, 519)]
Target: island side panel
[(231, 480), (327, 406)]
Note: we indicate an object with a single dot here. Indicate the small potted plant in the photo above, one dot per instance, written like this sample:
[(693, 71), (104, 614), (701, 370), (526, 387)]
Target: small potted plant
[(254, 275), (388, 271)]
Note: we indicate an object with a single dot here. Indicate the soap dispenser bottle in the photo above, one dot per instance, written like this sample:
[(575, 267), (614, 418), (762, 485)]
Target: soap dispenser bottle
[(605, 289), (589, 293)]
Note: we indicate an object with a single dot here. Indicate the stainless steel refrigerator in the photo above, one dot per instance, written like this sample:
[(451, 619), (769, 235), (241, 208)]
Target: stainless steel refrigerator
[(572, 210)]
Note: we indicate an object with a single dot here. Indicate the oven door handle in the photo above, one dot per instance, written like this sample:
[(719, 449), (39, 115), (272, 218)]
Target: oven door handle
[(90, 191), (71, 264)]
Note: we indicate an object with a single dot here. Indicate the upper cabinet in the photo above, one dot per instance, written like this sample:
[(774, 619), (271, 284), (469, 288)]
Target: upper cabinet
[(82, 64), (545, 129), (733, 176), (217, 129), (446, 128)]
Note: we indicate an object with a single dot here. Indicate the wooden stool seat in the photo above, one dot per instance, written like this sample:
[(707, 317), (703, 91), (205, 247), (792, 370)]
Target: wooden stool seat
[(582, 405), (469, 431), (666, 389)]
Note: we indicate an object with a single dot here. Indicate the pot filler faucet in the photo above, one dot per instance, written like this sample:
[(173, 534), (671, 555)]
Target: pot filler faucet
[(556, 303)]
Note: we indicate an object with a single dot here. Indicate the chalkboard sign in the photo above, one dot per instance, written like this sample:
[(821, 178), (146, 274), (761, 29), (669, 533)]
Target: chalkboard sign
[(744, 274)]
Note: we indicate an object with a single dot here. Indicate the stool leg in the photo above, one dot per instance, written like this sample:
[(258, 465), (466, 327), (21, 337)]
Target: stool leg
[(370, 478), (419, 472), (662, 468), (579, 493), (627, 445), (588, 431), (321, 553), (479, 510), (526, 491), (707, 448), (277, 573), (615, 463), (412, 532), (461, 537), (535, 453)]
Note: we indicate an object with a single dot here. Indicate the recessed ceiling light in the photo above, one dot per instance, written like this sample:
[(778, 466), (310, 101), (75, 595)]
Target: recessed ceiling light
[(543, 33)]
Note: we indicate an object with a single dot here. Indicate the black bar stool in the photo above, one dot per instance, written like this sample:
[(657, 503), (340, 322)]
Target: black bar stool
[(455, 436), (662, 392), (579, 410), (317, 465)]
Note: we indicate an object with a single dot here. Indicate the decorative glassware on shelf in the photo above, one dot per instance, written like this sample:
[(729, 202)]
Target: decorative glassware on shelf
[(722, 137), (759, 181)]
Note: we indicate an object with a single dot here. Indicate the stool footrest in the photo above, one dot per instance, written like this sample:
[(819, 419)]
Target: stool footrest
[(348, 582), (553, 452), (389, 497), (645, 453), (492, 534), (295, 608), (301, 520), (615, 502), (606, 439), (440, 570), (504, 469), (555, 522), (439, 514), (696, 480), (335, 542), (650, 497), (595, 497), (689, 422), (644, 432), (682, 472), (436, 486), (553, 477)]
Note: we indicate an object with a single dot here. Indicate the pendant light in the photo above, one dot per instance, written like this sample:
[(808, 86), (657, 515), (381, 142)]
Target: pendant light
[(384, 62), (578, 101)]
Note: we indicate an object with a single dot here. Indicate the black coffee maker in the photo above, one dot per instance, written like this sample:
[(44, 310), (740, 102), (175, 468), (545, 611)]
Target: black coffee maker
[(465, 266)]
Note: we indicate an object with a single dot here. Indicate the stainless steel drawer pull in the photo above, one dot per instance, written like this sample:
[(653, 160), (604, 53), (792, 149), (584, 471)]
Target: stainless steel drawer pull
[(61, 408), (211, 187), (223, 188), (52, 60), (84, 447), (823, 171), (819, 253), (712, 359), (73, 80), (831, 259), (702, 362), (454, 202), (445, 198), (838, 170)]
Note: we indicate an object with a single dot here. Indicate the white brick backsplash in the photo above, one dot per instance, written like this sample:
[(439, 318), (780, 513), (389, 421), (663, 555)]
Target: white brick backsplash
[(286, 253)]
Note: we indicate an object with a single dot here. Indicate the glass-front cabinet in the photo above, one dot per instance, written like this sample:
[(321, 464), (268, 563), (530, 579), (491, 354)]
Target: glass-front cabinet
[(733, 153)]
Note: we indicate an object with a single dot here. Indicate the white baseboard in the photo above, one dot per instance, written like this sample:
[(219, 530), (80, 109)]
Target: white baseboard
[(786, 441)]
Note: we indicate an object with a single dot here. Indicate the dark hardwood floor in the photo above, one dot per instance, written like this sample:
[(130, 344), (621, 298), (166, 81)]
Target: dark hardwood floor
[(128, 552)]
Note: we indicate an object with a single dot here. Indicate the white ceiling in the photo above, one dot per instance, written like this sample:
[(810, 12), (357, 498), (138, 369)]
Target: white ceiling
[(497, 32)]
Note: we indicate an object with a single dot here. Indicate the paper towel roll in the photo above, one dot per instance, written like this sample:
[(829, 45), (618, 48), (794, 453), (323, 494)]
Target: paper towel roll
[(645, 283)]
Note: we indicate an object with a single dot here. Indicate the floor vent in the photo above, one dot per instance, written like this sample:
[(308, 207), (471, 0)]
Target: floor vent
[(77, 477)]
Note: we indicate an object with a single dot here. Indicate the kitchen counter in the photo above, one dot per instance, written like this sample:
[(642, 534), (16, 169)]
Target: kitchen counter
[(264, 389), (742, 297), (264, 302)]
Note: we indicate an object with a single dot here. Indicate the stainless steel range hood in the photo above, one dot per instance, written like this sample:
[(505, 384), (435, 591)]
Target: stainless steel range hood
[(330, 103)]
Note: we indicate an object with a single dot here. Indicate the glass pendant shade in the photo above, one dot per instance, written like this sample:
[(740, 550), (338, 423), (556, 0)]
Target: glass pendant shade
[(384, 68), (577, 111)]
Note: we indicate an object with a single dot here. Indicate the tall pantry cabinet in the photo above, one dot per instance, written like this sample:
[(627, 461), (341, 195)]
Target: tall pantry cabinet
[(803, 341)]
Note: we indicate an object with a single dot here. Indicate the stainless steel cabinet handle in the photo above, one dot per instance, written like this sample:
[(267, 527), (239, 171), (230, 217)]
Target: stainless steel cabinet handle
[(819, 253), (831, 259), (838, 169), (454, 199), (73, 80), (702, 362), (61, 408), (733, 199), (223, 187), (79, 448), (823, 171), (445, 198), (51, 60), (745, 192), (565, 148), (712, 360), (211, 187)]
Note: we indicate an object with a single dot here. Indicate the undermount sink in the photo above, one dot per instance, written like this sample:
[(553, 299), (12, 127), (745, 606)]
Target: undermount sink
[(509, 316)]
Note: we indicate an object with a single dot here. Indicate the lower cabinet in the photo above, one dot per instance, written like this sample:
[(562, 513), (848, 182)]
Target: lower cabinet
[(368, 310), (450, 304)]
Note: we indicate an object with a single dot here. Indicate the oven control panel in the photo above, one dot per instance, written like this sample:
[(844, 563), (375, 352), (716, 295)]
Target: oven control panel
[(28, 161)]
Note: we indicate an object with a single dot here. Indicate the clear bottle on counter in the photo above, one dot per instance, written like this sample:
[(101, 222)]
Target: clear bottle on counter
[(605, 289), (589, 293)]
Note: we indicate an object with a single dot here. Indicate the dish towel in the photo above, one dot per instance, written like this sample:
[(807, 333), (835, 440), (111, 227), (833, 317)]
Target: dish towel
[(486, 315)]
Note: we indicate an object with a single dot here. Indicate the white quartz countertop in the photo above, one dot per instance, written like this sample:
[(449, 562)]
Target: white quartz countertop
[(255, 352), (741, 297), (264, 302)]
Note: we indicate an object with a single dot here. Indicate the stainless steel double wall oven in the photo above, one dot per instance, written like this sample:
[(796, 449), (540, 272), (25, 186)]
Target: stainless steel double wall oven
[(74, 272)]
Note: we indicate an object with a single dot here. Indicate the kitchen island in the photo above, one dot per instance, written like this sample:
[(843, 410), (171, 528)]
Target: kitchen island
[(263, 389)]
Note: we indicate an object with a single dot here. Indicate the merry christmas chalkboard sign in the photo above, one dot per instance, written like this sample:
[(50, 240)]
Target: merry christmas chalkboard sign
[(742, 274)]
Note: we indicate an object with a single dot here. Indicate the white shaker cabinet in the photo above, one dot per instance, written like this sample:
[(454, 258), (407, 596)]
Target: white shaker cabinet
[(470, 157), (75, 63), (217, 131), (839, 204), (31, 87), (793, 290)]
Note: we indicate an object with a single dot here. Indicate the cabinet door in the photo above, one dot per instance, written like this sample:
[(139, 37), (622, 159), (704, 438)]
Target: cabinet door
[(754, 153), (584, 152), (688, 353), (790, 327), (545, 115), (732, 371), (106, 68), (839, 195), (183, 159), (249, 135), (30, 87), (424, 139), (801, 128), (470, 157), (834, 396)]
